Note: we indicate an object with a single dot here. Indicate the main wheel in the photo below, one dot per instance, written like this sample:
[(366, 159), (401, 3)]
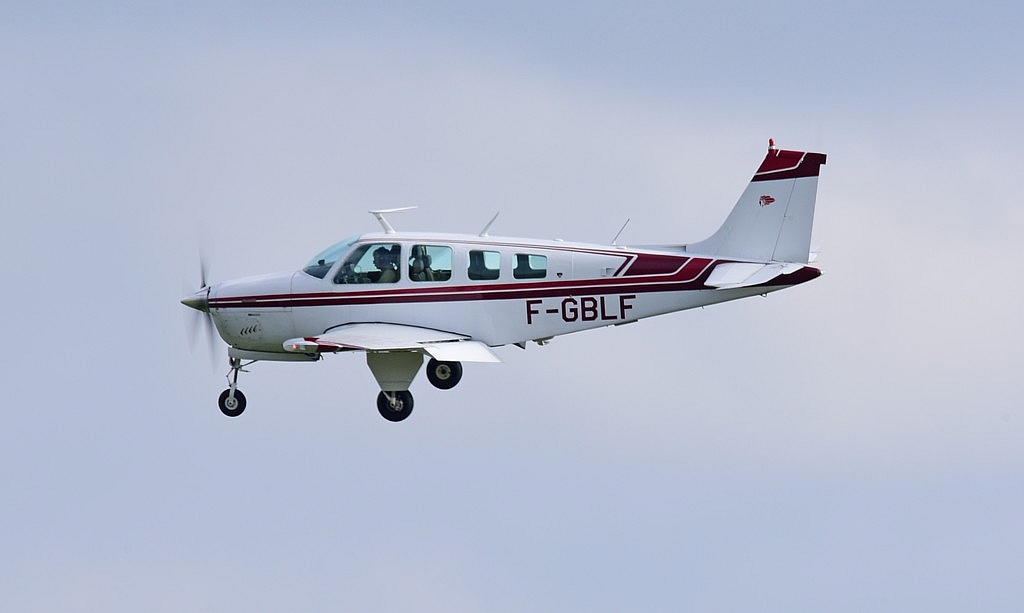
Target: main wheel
[(231, 406), (444, 375), (396, 408)]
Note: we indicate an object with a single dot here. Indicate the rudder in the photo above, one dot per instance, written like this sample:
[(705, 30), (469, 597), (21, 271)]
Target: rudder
[(772, 220)]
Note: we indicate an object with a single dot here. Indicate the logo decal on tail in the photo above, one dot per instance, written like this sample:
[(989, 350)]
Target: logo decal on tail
[(765, 200)]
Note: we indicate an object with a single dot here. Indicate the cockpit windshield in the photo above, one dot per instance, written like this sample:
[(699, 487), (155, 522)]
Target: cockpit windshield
[(322, 262)]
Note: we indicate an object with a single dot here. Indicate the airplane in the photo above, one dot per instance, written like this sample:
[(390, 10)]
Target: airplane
[(400, 297)]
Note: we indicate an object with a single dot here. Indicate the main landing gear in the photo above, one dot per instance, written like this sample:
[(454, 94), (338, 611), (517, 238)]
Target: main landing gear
[(397, 405), (232, 400), (444, 375), (394, 406)]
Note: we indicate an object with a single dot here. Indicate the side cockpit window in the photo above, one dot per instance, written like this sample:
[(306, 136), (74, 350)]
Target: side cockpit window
[(430, 263), (484, 265), (371, 263), (530, 266)]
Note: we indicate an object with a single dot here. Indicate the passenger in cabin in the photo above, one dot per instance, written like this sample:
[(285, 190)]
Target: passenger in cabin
[(419, 265), (419, 269), (383, 260)]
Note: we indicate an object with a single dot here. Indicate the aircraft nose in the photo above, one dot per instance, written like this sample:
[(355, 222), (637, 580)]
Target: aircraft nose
[(199, 301)]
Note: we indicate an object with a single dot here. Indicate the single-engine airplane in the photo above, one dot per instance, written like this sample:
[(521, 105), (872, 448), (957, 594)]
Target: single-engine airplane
[(400, 296)]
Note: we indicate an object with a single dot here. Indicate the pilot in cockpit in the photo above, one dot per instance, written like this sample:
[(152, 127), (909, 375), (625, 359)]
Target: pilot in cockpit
[(386, 264)]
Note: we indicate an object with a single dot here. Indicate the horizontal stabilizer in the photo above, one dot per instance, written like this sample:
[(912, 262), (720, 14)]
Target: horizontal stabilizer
[(741, 274)]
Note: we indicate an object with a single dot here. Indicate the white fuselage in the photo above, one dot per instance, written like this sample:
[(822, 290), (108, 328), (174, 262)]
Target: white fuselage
[(531, 290)]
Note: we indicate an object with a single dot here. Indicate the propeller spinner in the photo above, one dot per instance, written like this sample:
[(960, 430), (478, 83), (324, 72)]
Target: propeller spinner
[(200, 301)]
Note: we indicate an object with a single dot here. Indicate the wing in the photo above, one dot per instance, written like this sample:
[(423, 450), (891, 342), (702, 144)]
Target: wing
[(443, 346)]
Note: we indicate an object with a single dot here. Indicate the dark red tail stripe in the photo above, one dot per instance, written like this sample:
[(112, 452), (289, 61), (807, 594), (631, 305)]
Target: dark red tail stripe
[(783, 164)]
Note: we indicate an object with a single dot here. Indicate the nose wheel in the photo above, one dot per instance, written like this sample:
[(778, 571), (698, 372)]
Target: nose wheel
[(232, 400)]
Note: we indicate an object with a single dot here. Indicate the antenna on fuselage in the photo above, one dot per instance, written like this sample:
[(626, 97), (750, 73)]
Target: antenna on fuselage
[(615, 241), (388, 229), (488, 226)]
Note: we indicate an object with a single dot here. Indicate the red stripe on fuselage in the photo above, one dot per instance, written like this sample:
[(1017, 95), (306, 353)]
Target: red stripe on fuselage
[(647, 264)]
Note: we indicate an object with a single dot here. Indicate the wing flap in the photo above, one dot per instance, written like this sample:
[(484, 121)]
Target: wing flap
[(461, 351), (382, 337)]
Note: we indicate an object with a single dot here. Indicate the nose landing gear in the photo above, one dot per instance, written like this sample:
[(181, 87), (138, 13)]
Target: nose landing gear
[(232, 400)]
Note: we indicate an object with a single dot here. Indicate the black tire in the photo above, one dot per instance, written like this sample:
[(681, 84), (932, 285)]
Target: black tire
[(401, 409), (444, 375), (231, 407)]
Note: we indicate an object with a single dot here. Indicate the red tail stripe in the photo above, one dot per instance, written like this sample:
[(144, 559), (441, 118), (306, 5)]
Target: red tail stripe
[(784, 164)]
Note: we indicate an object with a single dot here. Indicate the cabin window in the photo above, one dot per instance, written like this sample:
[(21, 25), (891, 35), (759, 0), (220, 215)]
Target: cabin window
[(484, 265), (530, 266), (430, 263), (372, 263)]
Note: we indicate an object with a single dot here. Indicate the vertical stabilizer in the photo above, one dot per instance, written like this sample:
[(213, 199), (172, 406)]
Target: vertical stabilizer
[(772, 220)]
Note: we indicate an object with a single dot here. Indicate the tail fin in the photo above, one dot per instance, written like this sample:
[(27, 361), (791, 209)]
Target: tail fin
[(772, 220)]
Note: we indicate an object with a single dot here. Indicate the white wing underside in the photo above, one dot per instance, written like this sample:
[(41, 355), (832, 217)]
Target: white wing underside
[(380, 337)]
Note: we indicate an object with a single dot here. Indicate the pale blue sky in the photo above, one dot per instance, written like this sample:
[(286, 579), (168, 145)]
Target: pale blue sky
[(852, 444)]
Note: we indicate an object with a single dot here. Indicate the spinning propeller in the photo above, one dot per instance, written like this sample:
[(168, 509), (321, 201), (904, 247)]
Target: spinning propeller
[(200, 301)]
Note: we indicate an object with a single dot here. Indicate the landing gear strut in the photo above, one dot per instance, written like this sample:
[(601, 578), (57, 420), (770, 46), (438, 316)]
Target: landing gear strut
[(232, 400), (394, 406), (444, 375)]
